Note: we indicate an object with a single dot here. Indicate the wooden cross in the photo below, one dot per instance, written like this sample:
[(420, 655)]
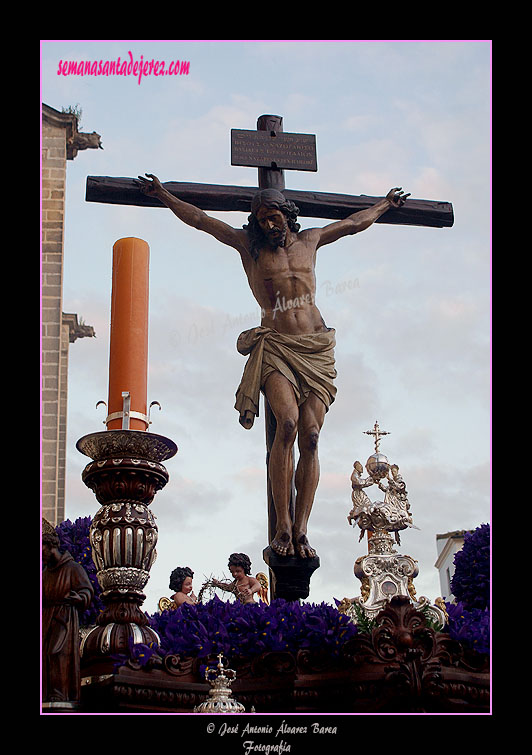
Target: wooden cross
[(213, 197), (271, 151)]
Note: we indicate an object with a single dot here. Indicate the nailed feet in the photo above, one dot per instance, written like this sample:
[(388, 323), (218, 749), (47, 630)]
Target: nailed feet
[(287, 544), (302, 545), (282, 544)]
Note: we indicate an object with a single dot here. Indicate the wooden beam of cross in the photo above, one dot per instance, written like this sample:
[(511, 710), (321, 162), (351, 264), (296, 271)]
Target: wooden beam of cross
[(312, 204), (272, 151)]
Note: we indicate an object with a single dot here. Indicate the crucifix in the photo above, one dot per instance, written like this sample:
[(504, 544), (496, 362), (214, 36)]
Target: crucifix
[(378, 434), (291, 354)]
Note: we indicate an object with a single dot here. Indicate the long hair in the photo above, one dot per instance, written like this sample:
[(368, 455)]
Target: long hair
[(268, 198)]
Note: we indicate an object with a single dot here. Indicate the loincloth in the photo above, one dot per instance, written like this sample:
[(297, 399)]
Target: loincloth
[(307, 361)]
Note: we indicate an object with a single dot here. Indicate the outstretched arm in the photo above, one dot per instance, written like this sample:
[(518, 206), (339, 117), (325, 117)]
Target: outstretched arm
[(361, 220), (229, 586), (192, 215)]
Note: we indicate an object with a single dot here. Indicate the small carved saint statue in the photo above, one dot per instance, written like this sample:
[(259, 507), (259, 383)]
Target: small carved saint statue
[(66, 591)]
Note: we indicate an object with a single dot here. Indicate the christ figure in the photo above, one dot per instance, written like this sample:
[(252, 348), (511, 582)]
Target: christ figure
[(291, 353)]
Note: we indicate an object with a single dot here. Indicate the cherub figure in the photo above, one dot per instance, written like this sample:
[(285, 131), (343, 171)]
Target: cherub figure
[(243, 586), (181, 582)]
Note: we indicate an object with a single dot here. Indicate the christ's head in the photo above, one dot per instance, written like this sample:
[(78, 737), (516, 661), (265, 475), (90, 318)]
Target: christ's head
[(272, 216)]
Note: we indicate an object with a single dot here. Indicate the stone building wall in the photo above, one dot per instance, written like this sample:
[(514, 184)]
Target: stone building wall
[(59, 138)]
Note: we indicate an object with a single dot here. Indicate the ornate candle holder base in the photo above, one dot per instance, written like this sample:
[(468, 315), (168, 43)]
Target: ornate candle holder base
[(61, 707), (384, 574), (114, 638), (125, 474)]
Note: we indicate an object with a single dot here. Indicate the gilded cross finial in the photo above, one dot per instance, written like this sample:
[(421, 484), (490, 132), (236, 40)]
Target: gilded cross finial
[(378, 433)]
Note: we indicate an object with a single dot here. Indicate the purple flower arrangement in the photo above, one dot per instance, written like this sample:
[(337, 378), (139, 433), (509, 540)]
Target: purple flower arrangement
[(471, 627), (74, 538), (469, 617), (471, 581), (216, 627), (239, 630)]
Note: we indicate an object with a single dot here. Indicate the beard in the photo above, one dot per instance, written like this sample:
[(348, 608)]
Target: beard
[(276, 238)]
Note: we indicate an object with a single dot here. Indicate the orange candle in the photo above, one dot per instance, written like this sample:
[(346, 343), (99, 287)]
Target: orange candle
[(128, 357)]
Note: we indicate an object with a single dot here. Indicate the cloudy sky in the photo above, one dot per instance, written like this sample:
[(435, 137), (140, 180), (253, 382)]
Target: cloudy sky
[(411, 306)]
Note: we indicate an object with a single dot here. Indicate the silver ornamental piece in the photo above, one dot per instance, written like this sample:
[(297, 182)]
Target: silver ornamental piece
[(220, 700), (383, 573), (127, 413), (125, 473), (135, 444)]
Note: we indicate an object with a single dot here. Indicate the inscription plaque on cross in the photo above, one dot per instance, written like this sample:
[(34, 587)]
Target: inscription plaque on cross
[(289, 556), (273, 149)]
